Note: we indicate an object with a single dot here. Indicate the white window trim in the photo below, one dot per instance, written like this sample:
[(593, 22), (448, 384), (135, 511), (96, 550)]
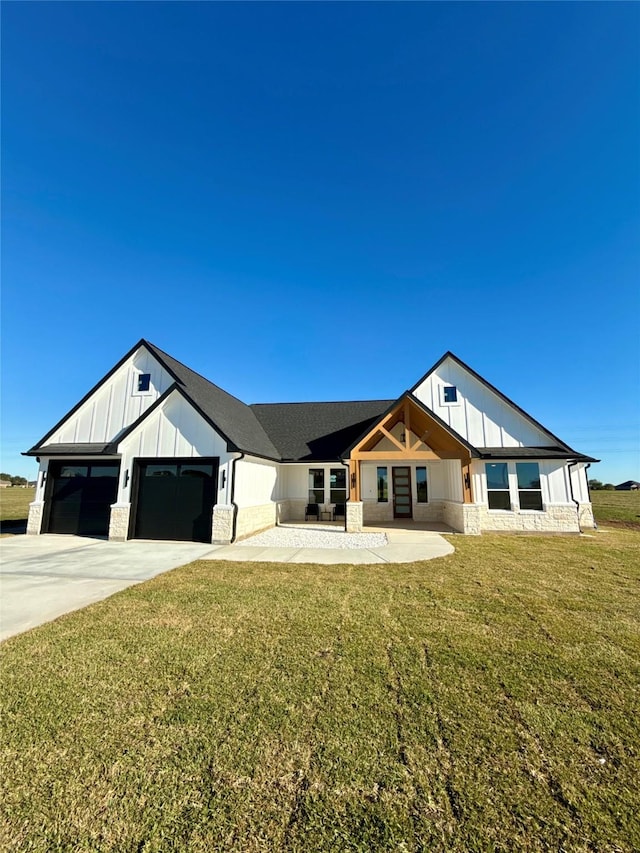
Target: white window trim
[(327, 502), (443, 402), (514, 497), (134, 389)]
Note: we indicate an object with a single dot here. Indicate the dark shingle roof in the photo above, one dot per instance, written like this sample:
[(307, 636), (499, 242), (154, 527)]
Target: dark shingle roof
[(552, 452), (231, 416), (281, 431), (318, 431), (77, 449)]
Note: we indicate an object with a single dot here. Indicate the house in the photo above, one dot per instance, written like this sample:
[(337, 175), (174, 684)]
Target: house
[(628, 486), (5, 484), (156, 451)]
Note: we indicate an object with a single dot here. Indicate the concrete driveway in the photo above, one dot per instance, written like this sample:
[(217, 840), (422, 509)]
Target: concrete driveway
[(42, 577)]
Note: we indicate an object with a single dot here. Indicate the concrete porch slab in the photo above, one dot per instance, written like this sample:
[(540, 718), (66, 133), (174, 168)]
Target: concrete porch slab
[(403, 546)]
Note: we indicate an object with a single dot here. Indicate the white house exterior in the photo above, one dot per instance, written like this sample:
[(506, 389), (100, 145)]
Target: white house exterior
[(156, 451)]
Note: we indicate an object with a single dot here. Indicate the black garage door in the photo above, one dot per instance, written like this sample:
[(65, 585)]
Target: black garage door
[(175, 499), (80, 496)]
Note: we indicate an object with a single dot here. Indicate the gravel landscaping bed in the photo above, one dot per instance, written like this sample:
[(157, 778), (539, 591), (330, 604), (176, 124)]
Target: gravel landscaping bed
[(321, 536)]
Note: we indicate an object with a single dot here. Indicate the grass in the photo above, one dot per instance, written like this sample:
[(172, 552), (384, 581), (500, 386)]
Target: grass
[(483, 701), (618, 508), (14, 504)]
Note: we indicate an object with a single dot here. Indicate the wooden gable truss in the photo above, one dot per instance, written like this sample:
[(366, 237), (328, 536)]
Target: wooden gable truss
[(422, 438)]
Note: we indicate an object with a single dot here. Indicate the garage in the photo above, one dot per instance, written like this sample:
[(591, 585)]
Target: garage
[(174, 499), (80, 494)]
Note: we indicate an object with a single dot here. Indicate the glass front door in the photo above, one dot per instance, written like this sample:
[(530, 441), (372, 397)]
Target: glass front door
[(402, 507)]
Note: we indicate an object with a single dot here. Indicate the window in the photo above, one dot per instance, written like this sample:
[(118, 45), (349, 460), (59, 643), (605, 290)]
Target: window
[(338, 486), (195, 469), (529, 491), (422, 496), (144, 380), (105, 470), (498, 485), (167, 470), (383, 485), (316, 485), (449, 394), (67, 471)]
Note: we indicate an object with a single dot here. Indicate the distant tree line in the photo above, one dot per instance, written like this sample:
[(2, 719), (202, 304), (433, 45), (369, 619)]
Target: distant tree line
[(15, 481), (596, 485)]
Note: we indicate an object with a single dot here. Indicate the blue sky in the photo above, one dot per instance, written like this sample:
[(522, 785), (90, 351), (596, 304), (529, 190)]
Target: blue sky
[(315, 201)]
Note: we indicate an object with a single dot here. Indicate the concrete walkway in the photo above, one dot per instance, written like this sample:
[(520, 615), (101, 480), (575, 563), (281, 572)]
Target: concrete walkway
[(406, 545)]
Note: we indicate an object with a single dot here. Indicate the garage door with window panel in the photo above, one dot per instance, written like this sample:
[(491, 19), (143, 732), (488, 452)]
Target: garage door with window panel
[(175, 498), (80, 495)]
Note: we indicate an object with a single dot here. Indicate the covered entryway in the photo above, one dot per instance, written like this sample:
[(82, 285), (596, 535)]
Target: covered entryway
[(409, 466), (79, 496), (174, 499)]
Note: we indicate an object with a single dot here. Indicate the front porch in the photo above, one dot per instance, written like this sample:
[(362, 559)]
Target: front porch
[(396, 526), (408, 527), (410, 471)]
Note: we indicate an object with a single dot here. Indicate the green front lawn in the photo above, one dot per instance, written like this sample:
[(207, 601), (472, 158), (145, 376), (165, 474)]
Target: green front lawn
[(621, 508), (14, 503), (483, 701)]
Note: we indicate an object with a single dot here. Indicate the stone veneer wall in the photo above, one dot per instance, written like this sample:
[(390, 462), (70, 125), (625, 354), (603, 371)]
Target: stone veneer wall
[(34, 521), (119, 522), (464, 518), (354, 517), (377, 511), (474, 518), (290, 510), (222, 524), (253, 519), (557, 518), (585, 516)]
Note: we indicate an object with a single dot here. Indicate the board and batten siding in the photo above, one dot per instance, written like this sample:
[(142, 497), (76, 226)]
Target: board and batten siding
[(174, 429), (257, 482), (480, 416), (115, 404)]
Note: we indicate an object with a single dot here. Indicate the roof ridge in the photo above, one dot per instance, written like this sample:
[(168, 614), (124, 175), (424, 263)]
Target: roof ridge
[(320, 402)]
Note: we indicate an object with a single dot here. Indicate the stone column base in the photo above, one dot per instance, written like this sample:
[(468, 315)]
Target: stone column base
[(464, 518), (34, 522), (222, 524), (585, 517), (354, 516), (119, 522)]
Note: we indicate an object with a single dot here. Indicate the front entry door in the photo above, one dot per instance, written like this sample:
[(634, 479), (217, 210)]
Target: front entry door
[(402, 505)]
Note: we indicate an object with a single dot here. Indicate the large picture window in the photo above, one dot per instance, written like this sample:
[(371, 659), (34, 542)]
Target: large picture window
[(529, 490), (383, 485), (338, 485), (498, 485), (422, 496), (316, 485)]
